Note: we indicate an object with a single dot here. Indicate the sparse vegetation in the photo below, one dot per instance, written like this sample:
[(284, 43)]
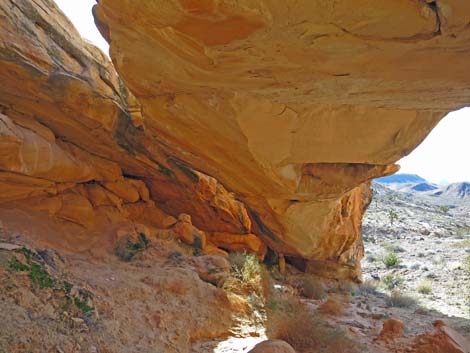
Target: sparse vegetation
[(294, 323), (392, 216), (391, 260), (246, 274), (82, 302), (331, 307), (39, 276), (368, 287), (425, 287), (15, 265), (126, 249), (29, 261), (390, 281), (400, 300), (444, 209)]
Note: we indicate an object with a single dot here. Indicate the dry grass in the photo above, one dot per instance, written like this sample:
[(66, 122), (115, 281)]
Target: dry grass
[(331, 307), (399, 300), (313, 288), (424, 287), (368, 287), (292, 322), (246, 275)]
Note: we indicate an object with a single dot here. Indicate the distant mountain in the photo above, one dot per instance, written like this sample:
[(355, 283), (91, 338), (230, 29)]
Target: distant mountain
[(456, 190), (422, 187), (401, 179)]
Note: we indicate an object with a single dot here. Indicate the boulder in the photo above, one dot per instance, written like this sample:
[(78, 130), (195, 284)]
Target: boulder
[(273, 346), (212, 268), (442, 340)]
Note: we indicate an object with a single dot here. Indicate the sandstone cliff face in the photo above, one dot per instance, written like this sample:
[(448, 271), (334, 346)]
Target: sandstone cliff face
[(292, 106), (74, 145)]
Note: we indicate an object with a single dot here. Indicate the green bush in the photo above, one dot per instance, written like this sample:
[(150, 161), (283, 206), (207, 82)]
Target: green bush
[(444, 209), (392, 216), (390, 281), (391, 260)]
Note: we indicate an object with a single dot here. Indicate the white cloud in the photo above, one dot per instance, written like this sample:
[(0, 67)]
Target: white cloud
[(445, 154)]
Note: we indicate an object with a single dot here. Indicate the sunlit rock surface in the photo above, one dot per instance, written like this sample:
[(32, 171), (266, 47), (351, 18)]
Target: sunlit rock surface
[(74, 146), (261, 117), (292, 104)]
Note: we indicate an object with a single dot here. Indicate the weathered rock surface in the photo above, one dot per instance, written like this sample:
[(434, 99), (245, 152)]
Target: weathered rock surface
[(442, 340), (292, 105), (259, 117), (74, 145)]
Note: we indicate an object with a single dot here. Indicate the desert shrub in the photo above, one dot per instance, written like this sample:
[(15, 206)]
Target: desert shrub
[(313, 288), (331, 307), (295, 324), (392, 216), (399, 300), (246, 274), (126, 249), (368, 287), (444, 209), (391, 260), (390, 281), (425, 287)]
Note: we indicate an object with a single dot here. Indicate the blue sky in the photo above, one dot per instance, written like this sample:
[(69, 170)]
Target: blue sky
[(443, 157)]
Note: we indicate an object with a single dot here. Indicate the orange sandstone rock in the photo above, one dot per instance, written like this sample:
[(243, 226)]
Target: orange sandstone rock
[(236, 242), (292, 112), (442, 340), (188, 233)]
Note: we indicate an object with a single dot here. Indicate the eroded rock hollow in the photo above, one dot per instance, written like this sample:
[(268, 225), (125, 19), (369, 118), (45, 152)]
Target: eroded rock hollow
[(261, 119)]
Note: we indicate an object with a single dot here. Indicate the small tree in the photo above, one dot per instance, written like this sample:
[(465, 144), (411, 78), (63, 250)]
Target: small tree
[(393, 216)]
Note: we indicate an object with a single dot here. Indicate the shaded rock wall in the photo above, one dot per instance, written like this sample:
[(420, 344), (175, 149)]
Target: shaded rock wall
[(292, 106), (73, 143)]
